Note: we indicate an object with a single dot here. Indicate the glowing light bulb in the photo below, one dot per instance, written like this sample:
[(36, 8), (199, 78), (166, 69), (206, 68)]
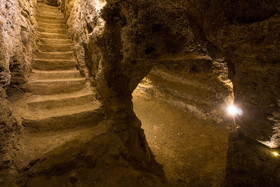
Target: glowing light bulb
[(233, 110), (275, 154)]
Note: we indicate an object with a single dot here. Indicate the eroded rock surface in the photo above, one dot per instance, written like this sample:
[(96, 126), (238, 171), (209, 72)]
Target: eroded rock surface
[(139, 34), (60, 118), (191, 150), (16, 40), (51, 2), (118, 42), (197, 85)]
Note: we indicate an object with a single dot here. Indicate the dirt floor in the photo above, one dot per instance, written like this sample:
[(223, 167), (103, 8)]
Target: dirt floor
[(192, 151)]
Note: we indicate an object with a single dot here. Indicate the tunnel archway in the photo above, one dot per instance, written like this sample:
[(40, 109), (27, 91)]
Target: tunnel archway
[(132, 46), (118, 43), (185, 120)]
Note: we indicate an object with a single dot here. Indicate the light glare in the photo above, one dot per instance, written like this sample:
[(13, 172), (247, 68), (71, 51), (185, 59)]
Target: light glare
[(99, 4), (233, 110), (275, 154)]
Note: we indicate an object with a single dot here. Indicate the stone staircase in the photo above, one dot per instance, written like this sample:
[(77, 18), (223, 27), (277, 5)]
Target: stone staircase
[(59, 104), (59, 98)]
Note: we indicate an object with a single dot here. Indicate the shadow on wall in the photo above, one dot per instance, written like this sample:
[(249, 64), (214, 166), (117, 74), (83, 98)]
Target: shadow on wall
[(50, 2), (136, 37), (17, 24), (198, 85)]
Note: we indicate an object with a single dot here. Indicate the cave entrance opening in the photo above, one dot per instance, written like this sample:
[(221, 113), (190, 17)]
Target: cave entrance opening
[(172, 104)]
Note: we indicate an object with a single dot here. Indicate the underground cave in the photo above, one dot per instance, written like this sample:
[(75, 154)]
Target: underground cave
[(131, 93)]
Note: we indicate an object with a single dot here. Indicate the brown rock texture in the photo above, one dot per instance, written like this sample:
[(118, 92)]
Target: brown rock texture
[(51, 2), (16, 39), (198, 85), (103, 70), (17, 30), (139, 34), (64, 139), (118, 42)]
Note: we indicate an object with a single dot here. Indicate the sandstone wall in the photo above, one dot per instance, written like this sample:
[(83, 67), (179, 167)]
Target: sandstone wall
[(16, 39), (197, 85), (51, 2), (88, 31), (136, 35), (85, 27), (246, 35)]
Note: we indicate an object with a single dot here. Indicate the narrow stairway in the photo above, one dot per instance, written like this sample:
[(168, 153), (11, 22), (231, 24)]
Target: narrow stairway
[(60, 103)]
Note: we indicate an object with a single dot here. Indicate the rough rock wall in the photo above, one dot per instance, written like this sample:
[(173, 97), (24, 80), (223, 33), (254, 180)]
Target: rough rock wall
[(16, 39), (88, 32), (17, 29), (85, 27), (246, 34), (198, 85), (247, 38), (141, 33), (51, 2)]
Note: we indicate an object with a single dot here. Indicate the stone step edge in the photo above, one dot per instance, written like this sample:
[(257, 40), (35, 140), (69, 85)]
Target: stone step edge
[(57, 80), (42, 98), (44, 114)]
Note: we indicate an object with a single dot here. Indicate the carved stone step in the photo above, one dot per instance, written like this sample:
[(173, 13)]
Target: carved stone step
[(64, 74), (62, 118), (54, 55), (55, 48), (55, 86), (53, 64), (61, 100)]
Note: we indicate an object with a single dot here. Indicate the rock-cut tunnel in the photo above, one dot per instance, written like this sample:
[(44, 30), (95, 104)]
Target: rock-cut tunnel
[(139, 93)]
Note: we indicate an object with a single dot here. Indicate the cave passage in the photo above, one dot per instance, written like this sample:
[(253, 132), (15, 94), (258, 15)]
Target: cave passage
[(191, 150), (134, 93)]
